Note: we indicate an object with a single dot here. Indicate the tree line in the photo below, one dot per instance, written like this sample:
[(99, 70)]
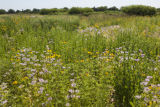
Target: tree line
[(130, 10), (55, 10)]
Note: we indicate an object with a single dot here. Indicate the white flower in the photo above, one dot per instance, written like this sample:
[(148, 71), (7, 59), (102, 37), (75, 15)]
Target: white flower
[(138, 96), (144, 83), (4, 102), (158, 85), (146, 89), (77, 91), (73, 96), (149, 77), (67, 104), (73, 84), (71, 91), (72, 80), (50, 98)]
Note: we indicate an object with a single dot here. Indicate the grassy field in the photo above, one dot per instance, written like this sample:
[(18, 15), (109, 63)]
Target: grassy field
[(77, 61)]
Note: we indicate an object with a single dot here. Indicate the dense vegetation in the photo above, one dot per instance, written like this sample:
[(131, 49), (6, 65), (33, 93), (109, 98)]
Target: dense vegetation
[(139, 10), (78, 61), (130, 10), (75, 10)]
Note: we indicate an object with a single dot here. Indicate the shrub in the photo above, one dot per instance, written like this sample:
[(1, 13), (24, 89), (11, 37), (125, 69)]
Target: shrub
[(139, 10), (27, 11), (11, 11), (18, 11), (114, 8), (101, 8), (48, 11), (44, 11), (77, 10), (2, 11), (35, 10), (87, 10)]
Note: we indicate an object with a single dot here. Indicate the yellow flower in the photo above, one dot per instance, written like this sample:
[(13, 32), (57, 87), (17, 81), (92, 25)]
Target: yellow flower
[(111, 58), (18, 51), (17, 60), (48, 64), (112, 54), (143, 74), (150, 87), (107, 60), (49, 51), (150, 103), (106, 73), (12, 49), (15, 82), (97, 52), (158, 88), (23, 50), (90, 53), (17, 55), (82, 60), (25, 78), (96, 26), (107, 51), (64, 42), (94, 56), (87, 74), (62, 72), (58, 56), (53, 56)]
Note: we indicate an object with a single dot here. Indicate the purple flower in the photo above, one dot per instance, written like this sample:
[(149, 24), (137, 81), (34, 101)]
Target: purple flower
[(50, 98), (72, 74), (68, 96), (146, 89), (73, 84), (144, 83), (137, 60), (149, 77), (77, 96), (140, 50), (71, 91), (33, 82), (41, 80), (158, 85), (67, 104), (73, 96), (77, 91), (72, 80), (41, 90), (41, 73), (142, 55), (4, 102)]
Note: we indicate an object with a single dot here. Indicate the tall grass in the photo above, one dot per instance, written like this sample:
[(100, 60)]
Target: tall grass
[(67, 60)]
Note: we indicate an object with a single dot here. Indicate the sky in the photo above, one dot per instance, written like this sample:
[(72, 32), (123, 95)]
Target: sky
[(30, 4)]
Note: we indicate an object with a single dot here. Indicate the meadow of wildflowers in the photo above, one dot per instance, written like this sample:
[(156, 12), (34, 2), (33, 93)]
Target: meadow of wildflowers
[(78, 61)]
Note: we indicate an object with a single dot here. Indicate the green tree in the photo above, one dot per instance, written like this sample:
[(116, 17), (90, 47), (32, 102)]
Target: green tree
[(11, 11), (139, 10), (2, 11)]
